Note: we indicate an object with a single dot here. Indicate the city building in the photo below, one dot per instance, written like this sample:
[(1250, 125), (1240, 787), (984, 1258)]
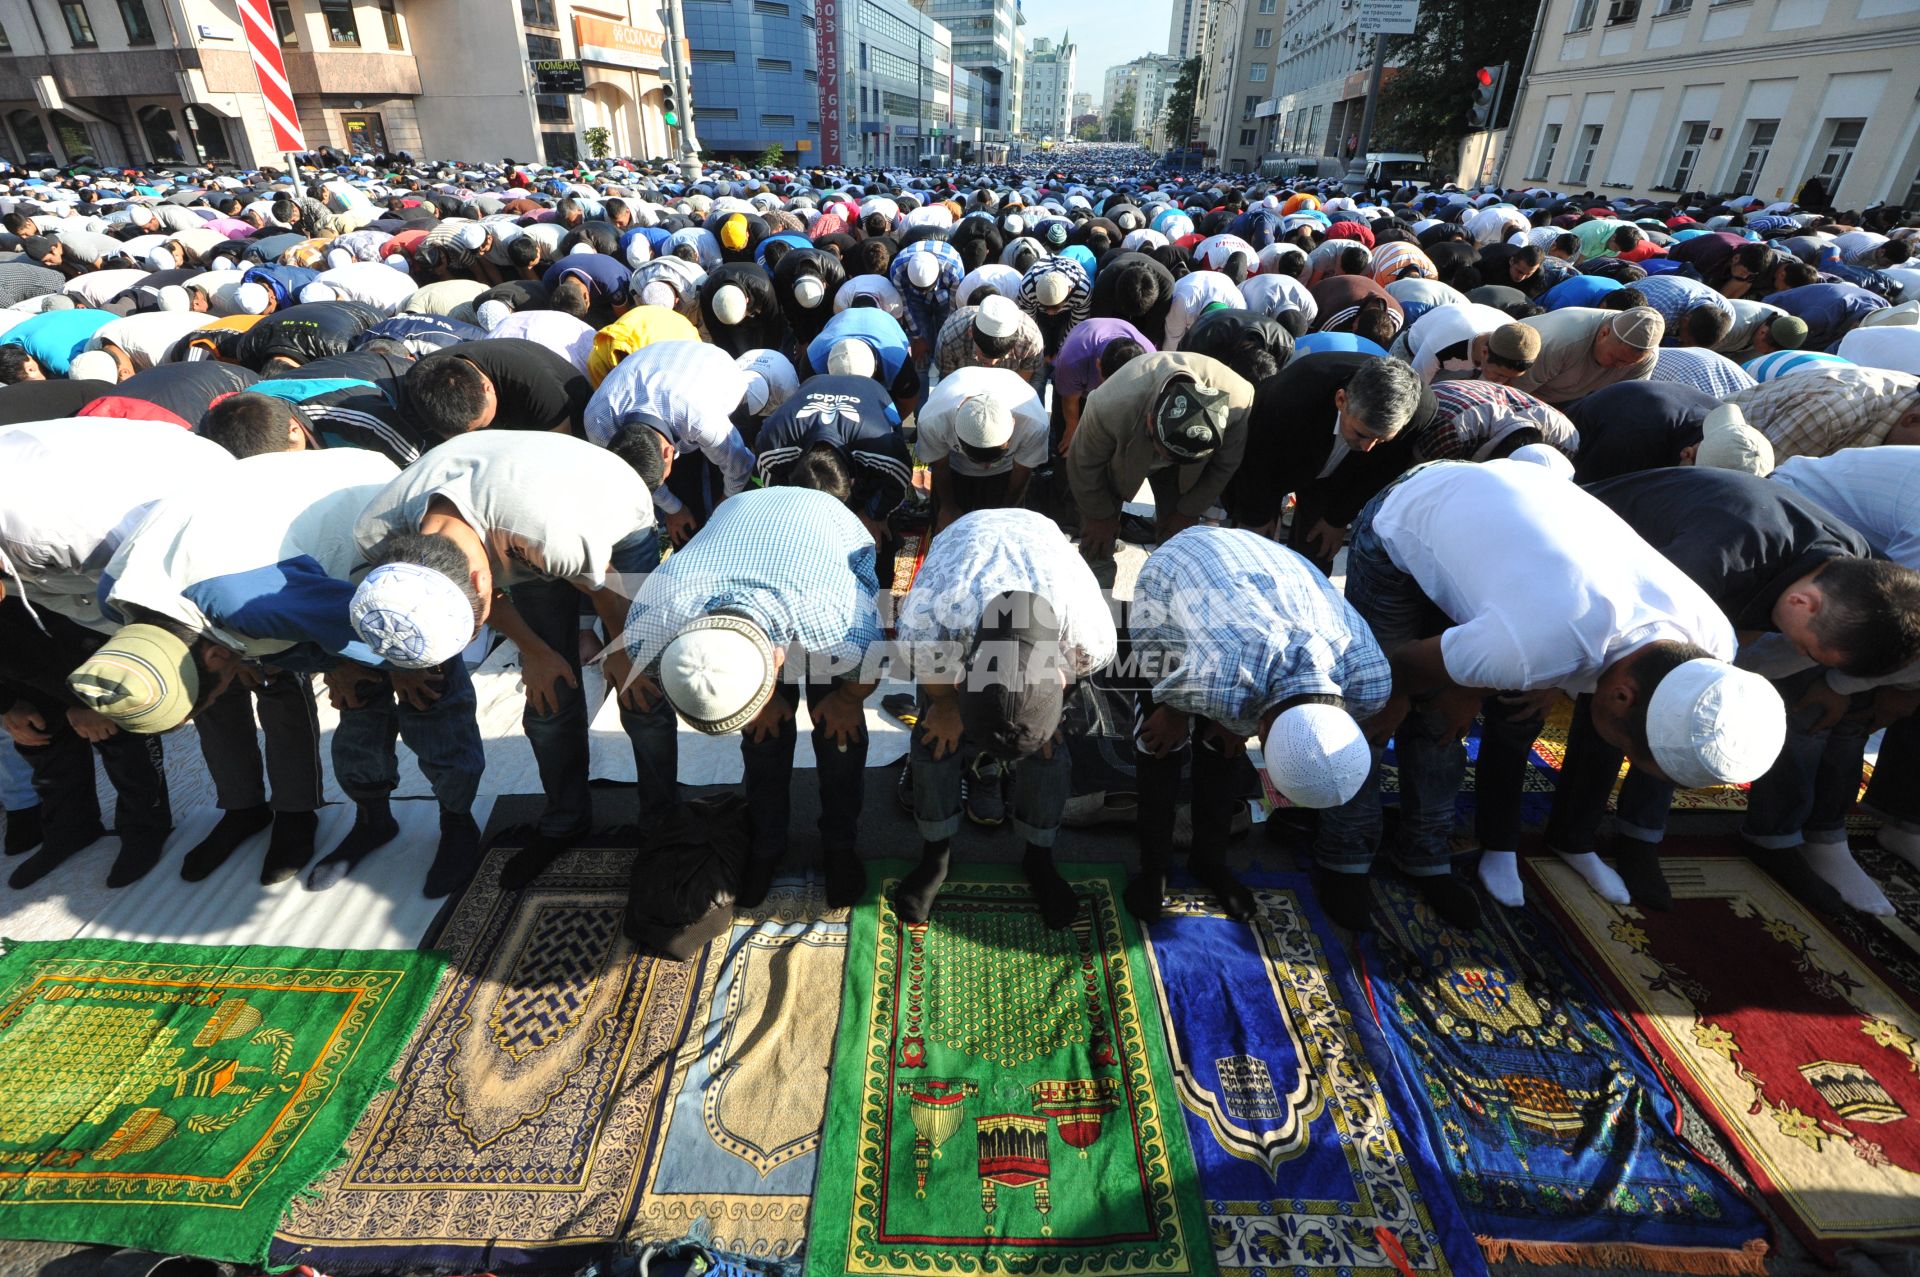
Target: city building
[(1187, 34), (1319, 82), (1145, 82), (1082, 105), (903, 98), (755, 74), (987, 42), (148, 81), (1262, 51), (1118, 86), (1730, 98), (1046, 108)]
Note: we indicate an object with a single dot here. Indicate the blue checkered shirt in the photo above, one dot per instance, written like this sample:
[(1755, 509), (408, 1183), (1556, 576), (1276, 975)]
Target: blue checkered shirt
[(1702, 369), (1250, 624), (795, 562), (1674, 295)]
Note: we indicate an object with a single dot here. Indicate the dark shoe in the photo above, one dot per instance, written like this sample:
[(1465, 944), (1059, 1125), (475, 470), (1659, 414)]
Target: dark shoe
[(982, 791), (454, 859), (914, 896), (1452, 898), (534, 859), (23, 830), (290, 847), (1347, 898), (139, 853), (1146, 892), (234, 828)]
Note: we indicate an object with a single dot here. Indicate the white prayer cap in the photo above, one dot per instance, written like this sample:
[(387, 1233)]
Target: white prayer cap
[(161, 259), (659, 293), (729, 304), (413, 617), (1711, 724), (319, 292), (491, 314), (718, 672), (1317, 756), (772, 370), (1544, 454), (472, 236), (982, 422), (93, 365), (1052, 288), (758, 393), (809, 291), (997, 317), (173, 298), (851, 358), (338, 257), (923, 270), (1727, 442), (397, 260), (252, 298)]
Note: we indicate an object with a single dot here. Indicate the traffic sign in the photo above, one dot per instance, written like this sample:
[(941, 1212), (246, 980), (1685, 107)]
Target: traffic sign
[(1389, 17)]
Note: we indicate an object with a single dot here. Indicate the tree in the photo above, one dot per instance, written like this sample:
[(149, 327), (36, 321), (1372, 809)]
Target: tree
[(1178, 114), (599, 142), (1120, 120), (1423, 105), (772, 157), (1087, 127)]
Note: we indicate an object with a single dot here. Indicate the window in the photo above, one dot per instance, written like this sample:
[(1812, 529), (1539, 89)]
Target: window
[(544, 47), (1246, 137), (79, 27), (390, 22), (1669, 7), (209, 135), (283, 22), (1583, 154), (1621, 13), (342, 30), (813, 77), (553, 108), (6, 45), (1582, 15), (1756, 145), (1269, 6), (713, 55), (1263, 37), (161, 133), (559, 148), (711, 113), (538, 13), (771, 9), (776, 121), (32, 135), (1543, 158), (1246, 107), (1686, 154), (779, 66), (1843, 136), (133, 15), (1257, 73)]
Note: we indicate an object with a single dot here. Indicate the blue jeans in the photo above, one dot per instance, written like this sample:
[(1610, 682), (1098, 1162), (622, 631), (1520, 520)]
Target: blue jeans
[(16, 779), (1806, 795), (551, 610), (444, 738), (1432, 761), (1041, 786), (769, 780)]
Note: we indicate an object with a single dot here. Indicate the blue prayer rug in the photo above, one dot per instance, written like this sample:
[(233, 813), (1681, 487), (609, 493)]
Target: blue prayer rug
[(1551, 1123), (1309, 1162)]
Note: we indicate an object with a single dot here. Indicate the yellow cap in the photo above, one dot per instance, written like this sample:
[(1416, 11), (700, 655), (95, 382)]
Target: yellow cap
[(144, 680)]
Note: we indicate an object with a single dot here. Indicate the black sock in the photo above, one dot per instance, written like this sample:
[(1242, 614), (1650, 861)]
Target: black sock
[(1347, 898), (1639, 864), (235, 827), (23, 830), (756, 879), (913, 898), (1235, 900), (533, 859), (1058, 900), (846, 878), (1452, 898), (1148, 890), (139, 853), (373, 828), (290, 847), (453, 860)]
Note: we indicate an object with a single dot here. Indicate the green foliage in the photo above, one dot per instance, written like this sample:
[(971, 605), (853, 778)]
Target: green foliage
[(1120, 120), (772, 157), (599, 142), (1423, 106), (1180, 103)]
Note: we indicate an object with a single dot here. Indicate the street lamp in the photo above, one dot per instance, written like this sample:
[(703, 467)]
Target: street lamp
[(1233, 56)]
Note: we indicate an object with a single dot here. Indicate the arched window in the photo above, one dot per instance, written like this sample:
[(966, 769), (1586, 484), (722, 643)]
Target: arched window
[(32, 137), (209, 134), (74, 139), (162, 133)]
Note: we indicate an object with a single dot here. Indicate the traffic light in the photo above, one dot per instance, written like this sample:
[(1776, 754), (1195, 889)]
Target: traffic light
[(1487, 83), (669, 110)]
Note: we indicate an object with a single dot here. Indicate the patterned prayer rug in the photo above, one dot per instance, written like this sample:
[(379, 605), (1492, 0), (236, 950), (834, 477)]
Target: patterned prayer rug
[(1805, 1052), (526, 1114), (1309, 1162), (1555, 1130), (1002, 1101), (748, 1095), (175, 1097)]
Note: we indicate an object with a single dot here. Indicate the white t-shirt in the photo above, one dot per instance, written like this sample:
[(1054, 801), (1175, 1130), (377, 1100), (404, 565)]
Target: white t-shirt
[(939, 416), (1545, 585)]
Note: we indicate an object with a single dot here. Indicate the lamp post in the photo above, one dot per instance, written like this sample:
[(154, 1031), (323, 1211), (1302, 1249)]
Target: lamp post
[(1233, 58), (1356, 178)]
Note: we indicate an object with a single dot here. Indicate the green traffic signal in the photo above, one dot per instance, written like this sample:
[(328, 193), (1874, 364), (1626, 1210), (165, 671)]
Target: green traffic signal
[(673, 119)]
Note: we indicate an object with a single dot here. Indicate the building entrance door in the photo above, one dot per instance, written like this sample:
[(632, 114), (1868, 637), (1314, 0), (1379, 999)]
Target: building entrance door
[(366, 135)]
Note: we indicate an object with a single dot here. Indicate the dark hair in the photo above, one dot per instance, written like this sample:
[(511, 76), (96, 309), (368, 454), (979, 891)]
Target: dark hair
[(1645, 670), (1626, 238), (1870, 610), (248, 424), (1375, 321), (686, 253), (1354, 260), (994, 347), (1255, 363), (571, 296), (772, 251), (1705, 324), (823, 468), (1566, 242), (1024, 256), (13, 364), (1117, 354), (638, 445), (431, 550), (567, 208), (1755, 257), (14, 221), (1135, 292), (1795, 273), (444, 394), (1237, 267), (1895, 251), (523, 250), (1622, 299), (876, 223)]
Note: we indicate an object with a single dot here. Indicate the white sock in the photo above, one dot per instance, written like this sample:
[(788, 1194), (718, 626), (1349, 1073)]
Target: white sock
[(1500, 875), (1903, 841), (1599, 875), (1834, 862)]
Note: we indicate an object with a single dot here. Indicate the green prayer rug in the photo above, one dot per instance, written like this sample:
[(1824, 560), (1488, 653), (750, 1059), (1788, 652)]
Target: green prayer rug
[(174, 1098), (1001, 1098)]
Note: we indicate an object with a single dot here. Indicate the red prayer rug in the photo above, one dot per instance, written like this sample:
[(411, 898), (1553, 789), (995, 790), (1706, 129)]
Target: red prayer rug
[(1801, 1049)]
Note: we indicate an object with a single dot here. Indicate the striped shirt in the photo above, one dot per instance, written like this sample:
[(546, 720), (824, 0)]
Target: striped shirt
[(1782, 363), (1700, 368), (795, 562), (1245, 623), (689, 387), (1474, 416), (1823, 410)]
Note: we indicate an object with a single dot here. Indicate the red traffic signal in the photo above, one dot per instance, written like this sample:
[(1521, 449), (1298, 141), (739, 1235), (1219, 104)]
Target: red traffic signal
[(1484, 75)]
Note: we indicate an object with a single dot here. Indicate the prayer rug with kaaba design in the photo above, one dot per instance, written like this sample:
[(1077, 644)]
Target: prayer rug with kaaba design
[(1554, 1129), (174, 1098), (1309, 1162), (1801, 1049), (1002, 1100), (527, 1112)]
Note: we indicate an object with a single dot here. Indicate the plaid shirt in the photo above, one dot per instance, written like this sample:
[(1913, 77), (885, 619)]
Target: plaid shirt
[(1701, 369), (1250, 624), (955, 350), (1821, 410), (1674, 295), (797, 563), (1474, 415)]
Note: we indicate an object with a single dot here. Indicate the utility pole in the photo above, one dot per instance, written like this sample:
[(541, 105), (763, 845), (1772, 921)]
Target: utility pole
[(675, 22), (1356, 178)]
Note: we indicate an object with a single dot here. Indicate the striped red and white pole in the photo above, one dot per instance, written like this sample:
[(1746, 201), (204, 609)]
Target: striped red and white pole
[(263, 43)]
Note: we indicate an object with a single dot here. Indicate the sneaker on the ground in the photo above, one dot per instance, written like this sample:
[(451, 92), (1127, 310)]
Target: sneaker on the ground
[(982, 791)]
